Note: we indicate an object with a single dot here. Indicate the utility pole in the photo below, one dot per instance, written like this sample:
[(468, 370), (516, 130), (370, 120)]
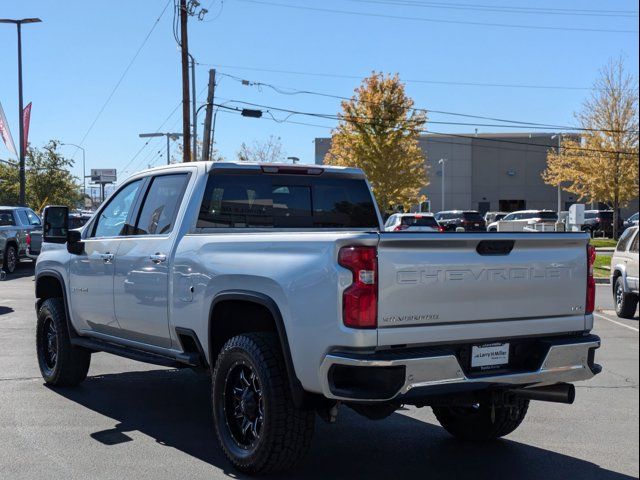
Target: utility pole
[(184, 45), (170, 136), (206, 134), (442, 161), (23, 179), (194, 113)]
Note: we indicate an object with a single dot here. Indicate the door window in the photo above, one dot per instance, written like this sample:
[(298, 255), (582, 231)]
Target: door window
[(112, 220), (161, 205), (624, 240), (634, 245), (22, 215), (6, 218)]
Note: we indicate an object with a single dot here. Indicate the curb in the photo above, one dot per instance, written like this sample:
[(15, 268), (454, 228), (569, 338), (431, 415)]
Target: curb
[(602, 281)]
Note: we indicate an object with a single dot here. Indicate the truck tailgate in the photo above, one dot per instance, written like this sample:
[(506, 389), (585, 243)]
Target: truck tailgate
[(466, 286)]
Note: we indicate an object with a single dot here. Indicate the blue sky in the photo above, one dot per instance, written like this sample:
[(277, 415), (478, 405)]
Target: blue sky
[(74, 58)]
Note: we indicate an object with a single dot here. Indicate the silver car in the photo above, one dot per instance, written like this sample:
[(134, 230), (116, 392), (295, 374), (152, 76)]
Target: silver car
[(624, 274)]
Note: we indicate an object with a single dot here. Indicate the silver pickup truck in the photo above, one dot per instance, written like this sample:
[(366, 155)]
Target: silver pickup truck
[(281, 284)]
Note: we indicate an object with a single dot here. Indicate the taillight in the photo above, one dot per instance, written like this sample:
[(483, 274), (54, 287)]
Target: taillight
[(590, 301), (360, 299), (28, 240), (440, 228)]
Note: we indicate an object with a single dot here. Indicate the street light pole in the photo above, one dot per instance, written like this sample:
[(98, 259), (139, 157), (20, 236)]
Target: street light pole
[(18, 24), (442, 161), (84, 172), (170, 136)]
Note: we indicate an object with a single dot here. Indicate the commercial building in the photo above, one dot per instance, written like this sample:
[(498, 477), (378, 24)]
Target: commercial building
[(485, 172)]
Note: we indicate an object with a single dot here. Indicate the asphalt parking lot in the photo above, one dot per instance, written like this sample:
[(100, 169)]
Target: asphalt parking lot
[(132, 420)]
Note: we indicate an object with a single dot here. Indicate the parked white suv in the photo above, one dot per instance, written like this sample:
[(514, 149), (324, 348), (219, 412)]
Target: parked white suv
[(526, 217), (412, 222), (624, 273)]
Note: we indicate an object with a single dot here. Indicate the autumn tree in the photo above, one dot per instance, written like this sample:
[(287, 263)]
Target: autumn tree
[(378, 132), (603, 164), (48, 179)]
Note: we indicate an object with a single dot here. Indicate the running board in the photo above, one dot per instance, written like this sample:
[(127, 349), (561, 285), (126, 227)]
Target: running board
[(181, 360)]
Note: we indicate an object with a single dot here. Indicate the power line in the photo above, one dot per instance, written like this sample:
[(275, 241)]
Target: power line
[(369, 121), (124, 73), (506, 9), (417, 81), (519, 123), (433, 20)]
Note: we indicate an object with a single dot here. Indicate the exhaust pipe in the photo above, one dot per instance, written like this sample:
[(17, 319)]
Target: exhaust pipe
[(558, 393)]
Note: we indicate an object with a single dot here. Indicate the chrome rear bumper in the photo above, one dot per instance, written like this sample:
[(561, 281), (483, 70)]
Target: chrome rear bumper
[(565, 361)]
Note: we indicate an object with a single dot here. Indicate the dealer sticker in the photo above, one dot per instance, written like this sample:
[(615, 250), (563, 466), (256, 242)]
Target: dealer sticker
[(489, 356)]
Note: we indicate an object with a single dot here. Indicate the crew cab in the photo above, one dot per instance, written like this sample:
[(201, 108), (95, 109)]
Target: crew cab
[(280, 282)]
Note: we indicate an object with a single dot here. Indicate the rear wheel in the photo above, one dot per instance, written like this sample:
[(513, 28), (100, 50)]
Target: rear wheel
[(11, 259), (482, 421), (626, 303), (258, 426), (61, 364)]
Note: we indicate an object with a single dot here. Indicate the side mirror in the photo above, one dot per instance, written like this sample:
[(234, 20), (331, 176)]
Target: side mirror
[(55, 226)]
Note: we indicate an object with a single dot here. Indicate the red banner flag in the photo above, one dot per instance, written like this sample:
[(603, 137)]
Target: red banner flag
[(26, 119)]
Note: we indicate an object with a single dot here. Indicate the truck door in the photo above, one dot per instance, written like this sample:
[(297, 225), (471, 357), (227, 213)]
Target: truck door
[(91, 273), (142, 266)]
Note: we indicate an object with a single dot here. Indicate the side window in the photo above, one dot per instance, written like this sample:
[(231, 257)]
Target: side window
[(6, 218), (22, 215), (634, 245), (112, 219), (33, 218), (624, 240), (161, 204)]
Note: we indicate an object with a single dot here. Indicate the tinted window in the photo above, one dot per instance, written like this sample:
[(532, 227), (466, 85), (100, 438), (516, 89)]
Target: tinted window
[(634, 245), (286, 201), (6, 218), (589, 215), (33, 218), (420, 221), (77, 221), (624, 240), (161, 205), (112, 219), (547, 215), (472, 216), (499, 216), (606, 215), (22, 215)]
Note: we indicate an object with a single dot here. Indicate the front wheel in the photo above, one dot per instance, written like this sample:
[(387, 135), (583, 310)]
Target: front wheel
[(482, 421), (258, 426), (61, 364), (626, 303)]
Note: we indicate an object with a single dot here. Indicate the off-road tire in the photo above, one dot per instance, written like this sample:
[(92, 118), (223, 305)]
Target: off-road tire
[(11, 259), (477, 424), (286, 431), (625, 303), (71, 363)]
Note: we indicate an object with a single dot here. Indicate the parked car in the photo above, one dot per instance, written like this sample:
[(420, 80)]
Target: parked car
[(15, 225), (34, 238), (491, 217), (412, 222), (624, 273), (526, 217), (600, 221), (632, 221), (470, 220), (280, 281)]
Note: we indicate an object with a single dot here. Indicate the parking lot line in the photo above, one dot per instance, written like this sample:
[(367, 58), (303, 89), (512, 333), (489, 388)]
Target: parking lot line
[(613, 321)]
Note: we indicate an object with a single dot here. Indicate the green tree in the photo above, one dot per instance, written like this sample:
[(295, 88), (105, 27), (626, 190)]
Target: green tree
[(378, 132), (48, 179)]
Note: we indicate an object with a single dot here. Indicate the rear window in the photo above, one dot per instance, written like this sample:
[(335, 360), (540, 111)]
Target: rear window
[(286, 201), (420, 221), (472, 216), (624, 240), (606, 215), (6, 218)]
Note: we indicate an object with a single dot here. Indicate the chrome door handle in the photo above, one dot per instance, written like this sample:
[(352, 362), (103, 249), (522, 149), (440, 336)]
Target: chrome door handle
[(107, 257), (158, 257)]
